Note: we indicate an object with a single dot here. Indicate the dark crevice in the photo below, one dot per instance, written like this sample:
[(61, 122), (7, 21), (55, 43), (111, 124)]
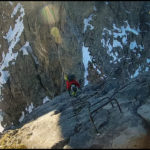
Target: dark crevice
[(40, 81), (61, 144), (8, 83), (38, 75), (28, 24)]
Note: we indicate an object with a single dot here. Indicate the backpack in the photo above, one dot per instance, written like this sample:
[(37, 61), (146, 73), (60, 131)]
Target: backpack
[(73, 88), (71, 77), (73, 91)]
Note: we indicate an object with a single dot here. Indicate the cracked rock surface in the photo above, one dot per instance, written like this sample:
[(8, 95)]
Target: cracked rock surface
[(67, 122)]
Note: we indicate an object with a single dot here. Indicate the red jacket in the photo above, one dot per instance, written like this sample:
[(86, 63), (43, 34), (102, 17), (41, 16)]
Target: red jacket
[(69, 83)]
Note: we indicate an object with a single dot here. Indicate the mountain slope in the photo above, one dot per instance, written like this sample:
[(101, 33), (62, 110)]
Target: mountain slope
[(40, 42), (79, 122)]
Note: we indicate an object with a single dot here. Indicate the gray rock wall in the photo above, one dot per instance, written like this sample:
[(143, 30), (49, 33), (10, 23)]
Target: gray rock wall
[(118, 44)]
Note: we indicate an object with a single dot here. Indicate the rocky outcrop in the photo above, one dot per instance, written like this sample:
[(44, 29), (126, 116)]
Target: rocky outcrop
[(52, 51), (117, 38), (47, 42), (143, 111), (88, 121)]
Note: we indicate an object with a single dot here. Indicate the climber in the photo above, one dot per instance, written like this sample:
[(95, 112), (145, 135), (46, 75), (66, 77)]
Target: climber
[(71, 84)]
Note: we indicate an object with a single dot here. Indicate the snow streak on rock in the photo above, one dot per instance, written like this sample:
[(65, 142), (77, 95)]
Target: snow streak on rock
[(136, 72), (86, 60), (86, 23), (22, 117), (116, 40), (29, 108), (13, 37), (29, 50), (46, 99), (1, 118), (112, 43), (85, 53), (24, 49)]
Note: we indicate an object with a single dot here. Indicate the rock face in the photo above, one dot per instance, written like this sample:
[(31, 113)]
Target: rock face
[(52, 51), (143, 111), (81, 122), (47, 42), (117, 40)]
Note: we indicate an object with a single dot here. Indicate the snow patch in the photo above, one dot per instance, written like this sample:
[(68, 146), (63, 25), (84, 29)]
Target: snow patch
[(116, 33), (19, 6), (121, 32), (103, 42), (148, 60), (124, 40), (136, 72), (4, 76), (139, 55), (85, 53), (147, 69), (133, 45), (109, 31), (128, 28), (29, 49), (29, 108), (116, 28), (117, 44), (46, 99), (13, 37), (86, 59), (94, 66), (109, 48), (1, 128), (22, 117), (24, 48), (141, 47), (1, 119), (86, 23)]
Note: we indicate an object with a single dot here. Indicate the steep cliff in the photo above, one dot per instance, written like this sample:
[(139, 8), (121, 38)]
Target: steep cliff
[(43, 49), (42, 41)]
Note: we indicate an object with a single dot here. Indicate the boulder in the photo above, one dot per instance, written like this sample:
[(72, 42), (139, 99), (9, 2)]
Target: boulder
[(144, 112)]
